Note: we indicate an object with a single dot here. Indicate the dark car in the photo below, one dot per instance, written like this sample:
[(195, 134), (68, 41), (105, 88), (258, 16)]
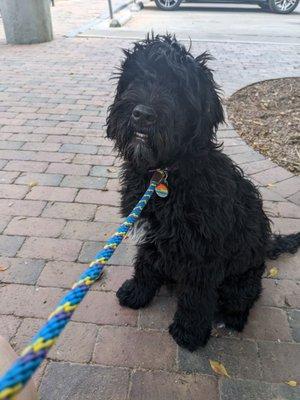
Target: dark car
[(277, 6)]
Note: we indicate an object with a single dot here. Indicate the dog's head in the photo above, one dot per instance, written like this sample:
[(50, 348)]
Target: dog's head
[(166, 104)]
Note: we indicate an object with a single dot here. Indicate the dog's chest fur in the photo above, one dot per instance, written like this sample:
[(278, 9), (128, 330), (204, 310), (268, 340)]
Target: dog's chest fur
[(210, 211)]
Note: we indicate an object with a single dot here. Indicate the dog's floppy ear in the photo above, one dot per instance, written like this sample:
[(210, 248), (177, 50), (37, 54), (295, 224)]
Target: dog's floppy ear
[(211, 110)]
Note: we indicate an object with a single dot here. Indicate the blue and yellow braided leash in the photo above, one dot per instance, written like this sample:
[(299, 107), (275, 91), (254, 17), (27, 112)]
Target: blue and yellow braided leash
[(22, 370)]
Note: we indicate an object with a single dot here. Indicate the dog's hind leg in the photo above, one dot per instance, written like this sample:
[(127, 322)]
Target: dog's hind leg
[(237, 294), (140, 290)]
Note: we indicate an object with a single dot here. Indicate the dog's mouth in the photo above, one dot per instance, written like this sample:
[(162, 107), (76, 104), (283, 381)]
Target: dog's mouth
[(140, 136)]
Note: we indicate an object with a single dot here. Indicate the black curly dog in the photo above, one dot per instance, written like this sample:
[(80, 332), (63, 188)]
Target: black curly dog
[(210, 235)]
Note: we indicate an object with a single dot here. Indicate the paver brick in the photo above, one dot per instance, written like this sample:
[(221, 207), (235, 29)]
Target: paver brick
[(93, 159), (4, 220), (230, 150), (258, 166), (68, 169), (52, 157), (8, 191), (97, 140), (28, 301), (26, 166), (51, 249), (73, 211), (53, 131), (247, 157), (150, 385), (92, 196), (108, 214), (63, 139), (113, 184), (294, 321), (38, 146), (130, 347), (52, 193), (40, 122), (159, 314), (288, 187), (287, 265), (8, 177), (27, 137), (88, 182), (285, 225), (60, 274), (280, 293), (267, 323), (231, 389), (88, 382), (272, 175), (32, 226), (106, 172), (270, 195), (21, 207), (9, 245), (123, 255), (113, 277), (280, 209), (20, 270), (78, 148), (280, 361), (103, 308), (62, 117), (240, 358), (295, 198), (7, 130), (76, 336), (106, 150), (3, 163), (8, 326), (6, 144), (41, 179), (89, 230)]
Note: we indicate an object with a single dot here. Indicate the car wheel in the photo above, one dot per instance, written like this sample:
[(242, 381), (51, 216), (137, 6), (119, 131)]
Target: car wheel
[(283, 6), (168, 5)]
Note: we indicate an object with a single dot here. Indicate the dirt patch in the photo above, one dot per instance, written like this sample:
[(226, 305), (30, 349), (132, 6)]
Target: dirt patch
[(267, 116)]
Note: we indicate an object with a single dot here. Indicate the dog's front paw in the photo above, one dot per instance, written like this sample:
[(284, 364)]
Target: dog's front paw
[(190, 339), (134, 296)]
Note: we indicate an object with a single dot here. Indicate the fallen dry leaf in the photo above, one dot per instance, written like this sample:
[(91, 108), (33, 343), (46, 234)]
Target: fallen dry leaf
[(218, 368), (292, 383), (32, 184), (2, 268), (273, 272)]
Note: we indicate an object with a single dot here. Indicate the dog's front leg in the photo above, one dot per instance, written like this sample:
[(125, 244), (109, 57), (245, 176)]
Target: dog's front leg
[(193, 319), (140, 290)]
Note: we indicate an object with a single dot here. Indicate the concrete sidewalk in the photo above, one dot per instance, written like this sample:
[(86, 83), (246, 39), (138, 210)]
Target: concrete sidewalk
[(59, 201)]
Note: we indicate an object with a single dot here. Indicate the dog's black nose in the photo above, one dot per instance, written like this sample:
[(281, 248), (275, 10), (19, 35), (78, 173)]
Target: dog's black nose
[(144, 115)]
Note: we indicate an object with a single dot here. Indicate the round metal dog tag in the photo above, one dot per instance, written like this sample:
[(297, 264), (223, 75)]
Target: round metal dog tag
[(162, 190)]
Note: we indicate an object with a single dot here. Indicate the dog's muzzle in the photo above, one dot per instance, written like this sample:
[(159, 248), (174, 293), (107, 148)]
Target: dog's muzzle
[(143, 116)]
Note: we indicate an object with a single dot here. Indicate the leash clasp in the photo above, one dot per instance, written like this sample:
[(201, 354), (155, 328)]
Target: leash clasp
[(159, 176)]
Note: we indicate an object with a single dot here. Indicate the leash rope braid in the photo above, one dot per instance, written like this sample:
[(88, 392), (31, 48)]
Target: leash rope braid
[(22, 370)]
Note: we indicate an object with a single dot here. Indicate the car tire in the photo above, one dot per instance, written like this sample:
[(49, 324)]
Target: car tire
[(264, 6), (168, 5), (283, 6)]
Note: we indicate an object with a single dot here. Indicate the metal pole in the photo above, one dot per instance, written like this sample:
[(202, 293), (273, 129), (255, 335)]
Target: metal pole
[(111, 14)]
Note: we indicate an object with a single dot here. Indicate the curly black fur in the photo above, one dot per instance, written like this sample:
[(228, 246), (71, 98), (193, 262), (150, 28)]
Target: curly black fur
[(210, 235)]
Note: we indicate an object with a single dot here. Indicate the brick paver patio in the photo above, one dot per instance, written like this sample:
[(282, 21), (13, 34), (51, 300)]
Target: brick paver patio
[(59, 201)]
